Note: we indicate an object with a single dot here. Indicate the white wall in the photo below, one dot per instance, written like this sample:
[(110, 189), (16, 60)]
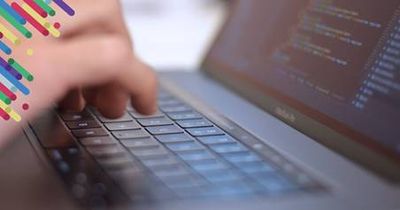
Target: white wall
[(173, 33)]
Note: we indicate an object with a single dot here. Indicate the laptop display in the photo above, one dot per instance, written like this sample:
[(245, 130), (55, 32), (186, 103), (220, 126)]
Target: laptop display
[(336, 62)]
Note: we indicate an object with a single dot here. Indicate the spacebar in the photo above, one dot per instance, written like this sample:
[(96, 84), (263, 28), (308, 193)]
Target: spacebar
[(51, 132)]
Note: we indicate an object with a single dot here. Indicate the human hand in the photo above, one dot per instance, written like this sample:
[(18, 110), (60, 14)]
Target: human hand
[(92, 63)]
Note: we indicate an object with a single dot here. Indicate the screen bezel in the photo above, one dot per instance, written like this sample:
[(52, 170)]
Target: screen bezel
[(341, 138)]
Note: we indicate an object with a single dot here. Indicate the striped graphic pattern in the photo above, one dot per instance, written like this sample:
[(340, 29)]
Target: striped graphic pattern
[(25, 17)]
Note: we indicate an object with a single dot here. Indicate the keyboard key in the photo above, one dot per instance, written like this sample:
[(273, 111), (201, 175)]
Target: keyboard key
[(155, 121), (167, 129), (185, 115), (185, 146), (130, 134), (55, 154), (137, 143), (115, 163), (255, 167), (83, 124), (63, 167), (208, 166), (122, 126), (105, 151), (169, 102), (190, 182), (164, 95), (173, 138), (141, 116), (201, 155), (92, 132), (127, 177), (98, 141), (221, 176), (178, 108), (160, 162), (125, 118), (220, 139), (175, 171), (194, 123), (75, 116), (244, 157), (208, 131), (228, 148), (149, 153)]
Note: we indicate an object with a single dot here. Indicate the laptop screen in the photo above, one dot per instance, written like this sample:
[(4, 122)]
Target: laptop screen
[(335, 61)]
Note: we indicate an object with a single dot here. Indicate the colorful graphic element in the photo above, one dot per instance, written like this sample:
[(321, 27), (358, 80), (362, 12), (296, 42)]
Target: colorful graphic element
[(13, 74)]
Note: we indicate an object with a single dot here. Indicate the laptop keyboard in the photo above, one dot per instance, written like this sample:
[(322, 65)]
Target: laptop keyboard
[(177, 148)]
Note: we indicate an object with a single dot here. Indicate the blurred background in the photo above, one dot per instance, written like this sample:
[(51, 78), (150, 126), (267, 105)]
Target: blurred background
[(173, 34)]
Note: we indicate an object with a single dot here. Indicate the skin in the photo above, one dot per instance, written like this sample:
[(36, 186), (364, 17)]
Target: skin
[(93, 63)]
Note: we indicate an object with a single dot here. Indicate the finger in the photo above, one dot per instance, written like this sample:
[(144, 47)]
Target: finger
[(104, 59), (90, 95), (73, 101), (142, 84), (91, 61), (111, 100)]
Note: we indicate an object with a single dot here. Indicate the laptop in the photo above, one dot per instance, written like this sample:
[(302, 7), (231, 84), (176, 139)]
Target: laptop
[(296, 106)]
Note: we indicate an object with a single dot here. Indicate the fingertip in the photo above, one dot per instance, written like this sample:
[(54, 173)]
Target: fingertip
[(73, 101), (111, 101)]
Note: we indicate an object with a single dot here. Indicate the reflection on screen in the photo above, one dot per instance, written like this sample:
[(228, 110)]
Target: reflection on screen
[(340, 58)]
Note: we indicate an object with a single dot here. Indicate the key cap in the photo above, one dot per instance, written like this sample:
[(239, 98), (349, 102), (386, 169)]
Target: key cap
[(243, 157), (83, 124), (105, 151), (167, 129), (171, 172), (228, 148), (221, 139), (92, 132), (190, 182), (201, 155), (169, 102), (185, 146), (140, 116), (55, 154), (125, 118), (207, 131), (149, 153), (155, 121), (184, 115), (194, 123), (219, 176), (130, 134), (122, 126), (179, 108), (115, 163), (98, 141), (174, 138), (75, 116), (255, 167), (160, 163), (208, 166), (137, 143), (164, 95)]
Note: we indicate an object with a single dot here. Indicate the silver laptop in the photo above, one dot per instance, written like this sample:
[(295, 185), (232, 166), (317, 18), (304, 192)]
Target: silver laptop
[(296, 107)]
